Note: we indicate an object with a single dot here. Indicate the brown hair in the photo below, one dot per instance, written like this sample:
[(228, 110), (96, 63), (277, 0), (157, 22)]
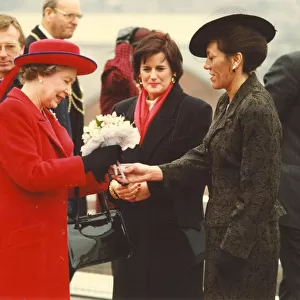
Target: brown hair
[(31, 72), (6, 21), (156, 42), (248, 41)]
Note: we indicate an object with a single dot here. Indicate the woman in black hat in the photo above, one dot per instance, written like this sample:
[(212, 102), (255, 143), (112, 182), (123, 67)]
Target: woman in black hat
[(241, 153)]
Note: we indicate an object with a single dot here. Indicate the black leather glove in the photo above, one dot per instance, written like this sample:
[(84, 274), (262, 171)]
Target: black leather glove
[(125, 35), (100, 159), (229, 267)]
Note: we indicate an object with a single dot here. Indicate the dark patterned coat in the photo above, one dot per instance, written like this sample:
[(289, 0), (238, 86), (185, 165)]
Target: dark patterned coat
[(69, 112), (242, 153), (162, 265)]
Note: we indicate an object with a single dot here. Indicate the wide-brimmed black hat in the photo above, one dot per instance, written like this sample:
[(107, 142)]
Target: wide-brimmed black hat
[(210, 30)]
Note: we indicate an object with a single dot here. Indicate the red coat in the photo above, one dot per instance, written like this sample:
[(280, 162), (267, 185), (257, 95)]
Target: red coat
[(36, 171)]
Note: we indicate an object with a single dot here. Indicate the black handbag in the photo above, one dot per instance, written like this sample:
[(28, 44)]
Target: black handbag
[(96, 239)]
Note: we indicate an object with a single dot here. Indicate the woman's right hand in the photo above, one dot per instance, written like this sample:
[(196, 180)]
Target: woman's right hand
[(126, 192), (133, 192), (138, 172)]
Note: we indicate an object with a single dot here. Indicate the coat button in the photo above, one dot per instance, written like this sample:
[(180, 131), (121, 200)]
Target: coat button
[(63, 232), (64, 202)]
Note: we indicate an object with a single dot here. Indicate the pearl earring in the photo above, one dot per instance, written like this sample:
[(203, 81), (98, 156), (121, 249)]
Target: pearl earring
[(173, 79), (41, 81)]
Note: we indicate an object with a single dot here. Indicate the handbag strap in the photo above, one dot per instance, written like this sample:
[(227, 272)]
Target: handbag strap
[(103, 204)]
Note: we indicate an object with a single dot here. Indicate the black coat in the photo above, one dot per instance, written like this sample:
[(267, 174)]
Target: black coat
[(282, 81), (70, 111), (161, 253), (16, 83)]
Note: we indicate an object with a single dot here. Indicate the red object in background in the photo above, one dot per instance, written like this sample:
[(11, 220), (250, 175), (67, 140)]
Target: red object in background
[(117, 79)]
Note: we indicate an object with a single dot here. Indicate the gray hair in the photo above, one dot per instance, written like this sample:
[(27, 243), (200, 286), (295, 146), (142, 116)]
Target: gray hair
[(49, 3), (31, 72)]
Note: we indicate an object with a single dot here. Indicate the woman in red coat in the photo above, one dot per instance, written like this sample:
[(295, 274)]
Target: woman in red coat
[(37, 171)]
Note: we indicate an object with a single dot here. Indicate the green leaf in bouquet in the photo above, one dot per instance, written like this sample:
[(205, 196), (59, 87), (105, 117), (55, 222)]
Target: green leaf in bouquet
[(99, 123)]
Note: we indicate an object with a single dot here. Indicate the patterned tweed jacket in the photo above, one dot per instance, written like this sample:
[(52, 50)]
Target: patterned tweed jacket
[(242, 154)]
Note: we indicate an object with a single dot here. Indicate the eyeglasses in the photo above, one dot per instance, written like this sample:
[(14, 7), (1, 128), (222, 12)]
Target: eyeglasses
[(10, 49), (69, 16)]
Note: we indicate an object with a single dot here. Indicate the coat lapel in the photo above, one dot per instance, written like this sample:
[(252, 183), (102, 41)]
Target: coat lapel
[(162, 123), (37, 34), (44, 124), (53, 130), (46, 127), (224, 114), (129, 115)]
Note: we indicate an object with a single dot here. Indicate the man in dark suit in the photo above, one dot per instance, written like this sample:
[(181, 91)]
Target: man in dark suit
[(12, 42), (283, 83), (60, 19)]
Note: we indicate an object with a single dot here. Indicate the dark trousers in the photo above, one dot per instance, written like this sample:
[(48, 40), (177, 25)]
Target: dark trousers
[(289, 288), (177, 286)]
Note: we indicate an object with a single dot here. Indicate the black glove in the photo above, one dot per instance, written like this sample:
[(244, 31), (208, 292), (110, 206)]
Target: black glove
[(229, 267), (100, 159), (126, 35)]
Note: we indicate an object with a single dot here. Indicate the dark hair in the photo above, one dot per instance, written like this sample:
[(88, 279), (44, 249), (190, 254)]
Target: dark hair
[(248, 41), (156, 42), (31, 72)]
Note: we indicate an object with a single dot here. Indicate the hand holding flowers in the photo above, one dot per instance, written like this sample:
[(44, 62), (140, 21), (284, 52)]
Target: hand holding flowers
[(108, 130)]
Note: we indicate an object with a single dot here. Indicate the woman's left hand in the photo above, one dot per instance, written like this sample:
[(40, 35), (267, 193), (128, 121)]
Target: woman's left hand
[(141, 193)]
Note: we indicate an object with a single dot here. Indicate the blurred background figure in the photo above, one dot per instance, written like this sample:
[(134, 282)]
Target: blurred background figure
[(117, 80), (282, 81), (12, 42), (170, 123)]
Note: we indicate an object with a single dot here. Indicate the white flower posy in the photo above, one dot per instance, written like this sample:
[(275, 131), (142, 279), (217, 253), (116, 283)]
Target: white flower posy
[(107, 130)]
